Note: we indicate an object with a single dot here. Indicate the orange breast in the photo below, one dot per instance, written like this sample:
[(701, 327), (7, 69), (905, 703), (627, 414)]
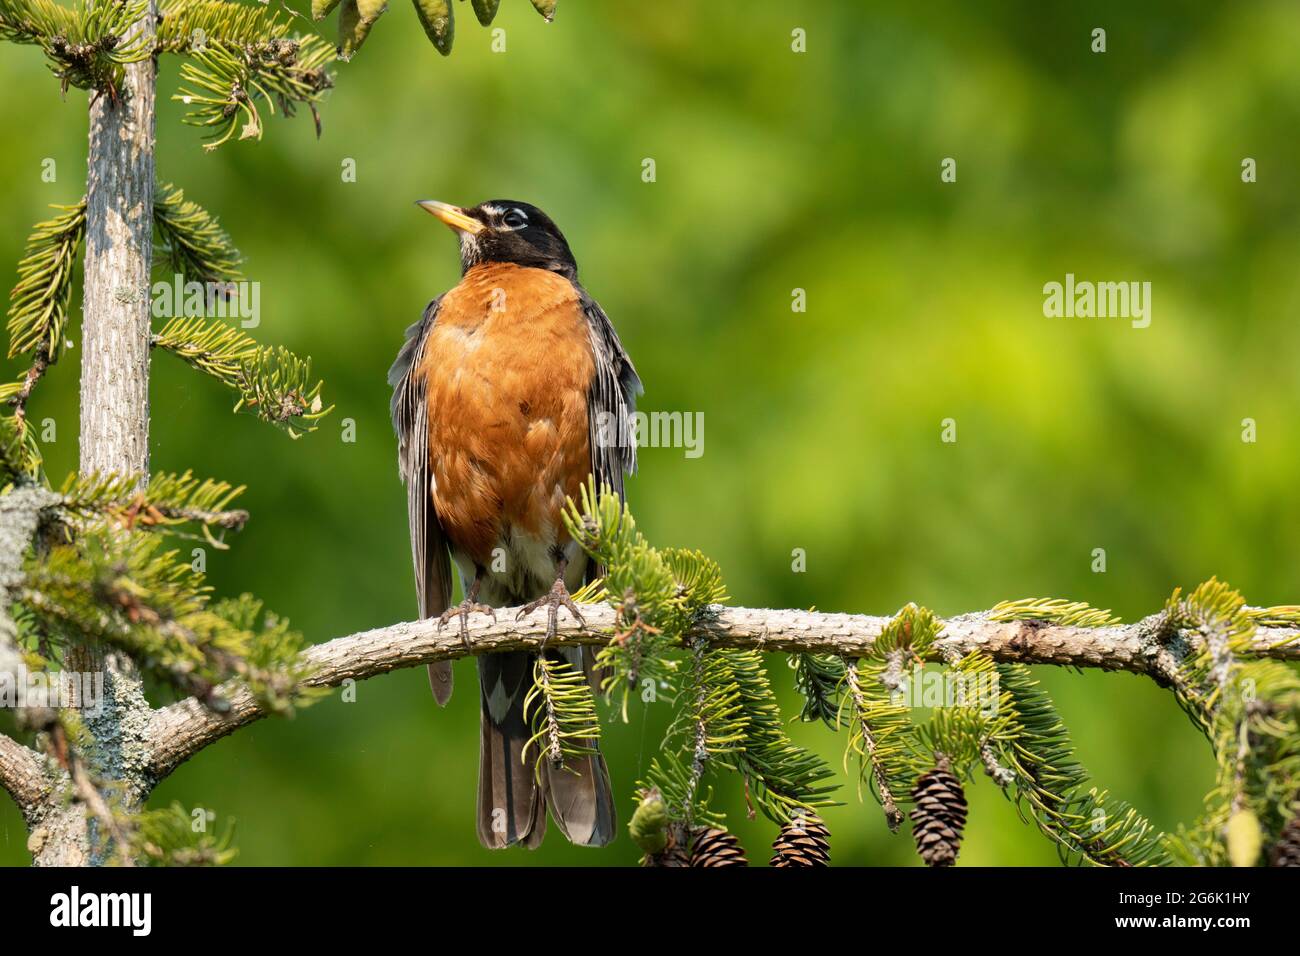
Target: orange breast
[(508, 365)]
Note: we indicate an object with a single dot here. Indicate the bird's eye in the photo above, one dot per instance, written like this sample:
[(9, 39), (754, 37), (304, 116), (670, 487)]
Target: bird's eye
[(515, 219)]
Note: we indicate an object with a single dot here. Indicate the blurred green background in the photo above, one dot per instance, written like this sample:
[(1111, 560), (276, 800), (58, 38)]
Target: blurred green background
[(775, 171)]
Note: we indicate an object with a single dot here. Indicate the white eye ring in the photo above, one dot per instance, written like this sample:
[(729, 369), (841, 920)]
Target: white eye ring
[(515, 219)]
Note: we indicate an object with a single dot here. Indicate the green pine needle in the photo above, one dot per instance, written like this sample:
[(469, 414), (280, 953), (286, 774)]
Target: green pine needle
[(1054, 611), (85, 45), (818, 678), (38, 304), (20, 456), (127, 592), (192, 240), (562, 708), (168, 502), (241, 60), (168, 837), (272, 382)]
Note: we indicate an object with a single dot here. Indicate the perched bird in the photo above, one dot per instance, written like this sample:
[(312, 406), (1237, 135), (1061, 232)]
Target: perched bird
[(510, 391)]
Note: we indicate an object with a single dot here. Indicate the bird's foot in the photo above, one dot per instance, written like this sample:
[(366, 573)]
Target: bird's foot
[(554, 599), (462, 611)]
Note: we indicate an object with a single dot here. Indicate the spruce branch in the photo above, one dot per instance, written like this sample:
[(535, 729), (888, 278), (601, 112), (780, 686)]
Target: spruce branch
[(186, 26), (20, 456), (783, 779), (1286, 615), (128, 593), (1217, 615), (168, 502), (686, 796), (1255, 731), (276, 386), (272, 382), (1087, 825), (1054, 610), (211, 346), (819, 679), (192, 240), (86, 46), (167, 837), (38, 304), (561, 707), (38, 311), (34, 21), (239, 60), (877, 727), (657, 594)]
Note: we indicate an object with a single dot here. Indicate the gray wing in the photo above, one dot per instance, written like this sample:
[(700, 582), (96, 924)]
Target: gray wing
[(611, 401), (610, 404), (428, 544)]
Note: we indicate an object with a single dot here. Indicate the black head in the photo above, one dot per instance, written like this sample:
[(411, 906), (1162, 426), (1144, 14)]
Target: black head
[(506, 230)]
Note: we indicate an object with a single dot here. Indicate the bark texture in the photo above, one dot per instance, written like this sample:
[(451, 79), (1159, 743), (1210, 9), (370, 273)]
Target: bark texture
[(119, 251)]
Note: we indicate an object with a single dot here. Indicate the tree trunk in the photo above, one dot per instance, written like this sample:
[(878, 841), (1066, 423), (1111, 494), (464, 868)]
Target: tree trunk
[(119, 247), (114, 425)]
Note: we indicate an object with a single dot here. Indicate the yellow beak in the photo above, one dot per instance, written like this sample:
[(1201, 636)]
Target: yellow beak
[(453, 216)]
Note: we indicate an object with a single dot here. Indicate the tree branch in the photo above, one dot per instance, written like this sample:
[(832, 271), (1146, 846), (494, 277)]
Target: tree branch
[(21, 772), (21, 775), (179, 731)]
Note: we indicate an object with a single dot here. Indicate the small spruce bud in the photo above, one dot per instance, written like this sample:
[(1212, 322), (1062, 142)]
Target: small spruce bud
[(1244, 839), (320, 9), (438, 22), (353, 29), (485, 10), (649, 824)]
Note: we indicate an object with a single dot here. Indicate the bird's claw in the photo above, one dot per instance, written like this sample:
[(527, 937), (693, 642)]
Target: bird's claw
[(554, 599), (463, 611)]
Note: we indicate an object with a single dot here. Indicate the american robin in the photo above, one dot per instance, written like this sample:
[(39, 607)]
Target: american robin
[(508, 393)]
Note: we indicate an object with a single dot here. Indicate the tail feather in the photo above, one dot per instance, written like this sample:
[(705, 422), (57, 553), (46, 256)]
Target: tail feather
[(440, 682), (578, 793), (510, 805)]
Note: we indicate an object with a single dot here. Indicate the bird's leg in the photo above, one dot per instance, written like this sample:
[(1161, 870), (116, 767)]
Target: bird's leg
[(554, 599), (465, 607)]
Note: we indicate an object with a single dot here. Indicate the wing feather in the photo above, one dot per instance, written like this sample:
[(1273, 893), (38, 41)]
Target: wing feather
[(611, 401), (429, 555)]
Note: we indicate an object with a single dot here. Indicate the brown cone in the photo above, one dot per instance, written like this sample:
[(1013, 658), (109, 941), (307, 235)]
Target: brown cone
[(674, 853), (715, 847), (804, 841), (1286, 851), (673, 856), (939, 815)]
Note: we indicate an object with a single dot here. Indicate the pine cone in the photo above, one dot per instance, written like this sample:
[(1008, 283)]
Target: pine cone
[(939, 815), (716, 848), (1286, 851), (675, 851), (804, 841), (671, 857)]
